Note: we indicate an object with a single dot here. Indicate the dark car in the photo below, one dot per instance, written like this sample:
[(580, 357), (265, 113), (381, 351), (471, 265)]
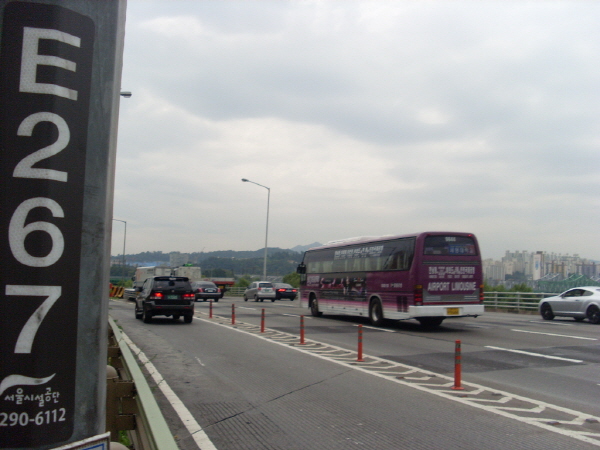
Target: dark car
[(283, 290), (206, 290), (165, 296)]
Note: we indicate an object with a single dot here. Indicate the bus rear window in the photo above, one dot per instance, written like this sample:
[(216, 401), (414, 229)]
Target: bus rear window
[(449, 245)]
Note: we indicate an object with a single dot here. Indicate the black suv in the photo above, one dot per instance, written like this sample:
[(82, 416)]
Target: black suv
[(165, 296)]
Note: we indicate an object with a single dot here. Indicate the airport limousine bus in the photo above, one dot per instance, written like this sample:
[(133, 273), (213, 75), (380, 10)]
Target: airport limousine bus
[(428, 276)]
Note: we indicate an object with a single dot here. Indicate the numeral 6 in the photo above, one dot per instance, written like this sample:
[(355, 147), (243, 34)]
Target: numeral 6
[(18, 231)]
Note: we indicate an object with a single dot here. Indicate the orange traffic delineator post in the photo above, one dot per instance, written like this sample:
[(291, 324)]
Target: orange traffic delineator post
[(210, 310), (233, 314), (457, 368), (262, 321), (359, 357), (301, 330)]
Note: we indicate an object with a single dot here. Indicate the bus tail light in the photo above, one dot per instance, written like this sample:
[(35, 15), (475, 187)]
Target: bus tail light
[(481, 295), (418, 295)]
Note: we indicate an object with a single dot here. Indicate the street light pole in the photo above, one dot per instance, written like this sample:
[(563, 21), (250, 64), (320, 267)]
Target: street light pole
[(267, 232), (124, 240)]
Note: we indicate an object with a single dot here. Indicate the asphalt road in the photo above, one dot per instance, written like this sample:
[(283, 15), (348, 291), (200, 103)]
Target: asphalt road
[(253, 390)]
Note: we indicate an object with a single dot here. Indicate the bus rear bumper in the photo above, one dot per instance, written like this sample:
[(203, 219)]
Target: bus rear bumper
[(446, 311)]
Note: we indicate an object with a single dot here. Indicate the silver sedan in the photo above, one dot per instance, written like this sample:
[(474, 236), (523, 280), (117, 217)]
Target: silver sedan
[(578, 303)]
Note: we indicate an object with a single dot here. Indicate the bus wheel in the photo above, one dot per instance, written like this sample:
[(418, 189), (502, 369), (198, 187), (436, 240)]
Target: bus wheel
[(430, 321), (314, 307), (375, 313)]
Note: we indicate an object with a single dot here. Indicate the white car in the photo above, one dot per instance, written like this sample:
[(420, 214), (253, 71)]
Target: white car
[(578, 303), (260, 290)]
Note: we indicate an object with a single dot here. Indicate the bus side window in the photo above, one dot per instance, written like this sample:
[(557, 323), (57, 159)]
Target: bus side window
[(327, 266)]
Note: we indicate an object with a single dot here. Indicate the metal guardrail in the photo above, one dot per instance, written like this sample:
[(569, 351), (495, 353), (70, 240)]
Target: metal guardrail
[(514, 301), (235, 291), (131, 406)]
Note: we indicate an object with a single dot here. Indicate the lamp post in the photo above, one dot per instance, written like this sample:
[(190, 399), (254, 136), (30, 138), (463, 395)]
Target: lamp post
[(124, 240), (267, 232)]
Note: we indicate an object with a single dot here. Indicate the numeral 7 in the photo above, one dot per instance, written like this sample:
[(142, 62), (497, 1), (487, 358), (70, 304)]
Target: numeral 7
[(27, 335)]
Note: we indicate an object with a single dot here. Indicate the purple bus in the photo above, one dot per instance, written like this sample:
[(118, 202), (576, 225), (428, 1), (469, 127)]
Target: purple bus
[(427, 276)]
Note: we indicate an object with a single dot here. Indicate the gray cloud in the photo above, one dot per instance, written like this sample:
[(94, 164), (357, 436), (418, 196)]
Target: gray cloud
[(363, 118)]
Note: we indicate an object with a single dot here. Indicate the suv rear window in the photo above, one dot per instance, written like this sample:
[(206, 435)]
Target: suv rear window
[(449, 245), (171, 284), (265, 285)]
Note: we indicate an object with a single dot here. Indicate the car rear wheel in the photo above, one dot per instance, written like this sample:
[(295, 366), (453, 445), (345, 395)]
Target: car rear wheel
[(546, 312), (593, 314), (256, 298), (272, 299), (188, 318), (146, 316), (245, 298), (216, 300)]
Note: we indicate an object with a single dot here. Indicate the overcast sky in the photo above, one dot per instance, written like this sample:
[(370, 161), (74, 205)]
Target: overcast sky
[(364, 118)]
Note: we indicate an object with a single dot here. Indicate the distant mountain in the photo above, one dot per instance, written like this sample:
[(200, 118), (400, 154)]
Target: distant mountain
[(303, 248)]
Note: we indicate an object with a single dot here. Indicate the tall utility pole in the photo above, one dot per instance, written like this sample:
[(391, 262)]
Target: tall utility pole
[(267, 232)]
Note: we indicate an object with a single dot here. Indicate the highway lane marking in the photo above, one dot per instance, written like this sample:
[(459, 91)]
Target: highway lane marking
[(199, 361), (491, 400), (557, 335), (375, 328), (534, 354), (200, 437), (545, 322)]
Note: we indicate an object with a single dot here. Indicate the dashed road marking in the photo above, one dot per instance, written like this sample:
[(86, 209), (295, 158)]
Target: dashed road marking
[(539, 355), (557, 335), (554, 418)]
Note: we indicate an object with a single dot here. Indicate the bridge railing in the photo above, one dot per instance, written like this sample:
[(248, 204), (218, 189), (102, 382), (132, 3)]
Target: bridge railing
[(514, 301)]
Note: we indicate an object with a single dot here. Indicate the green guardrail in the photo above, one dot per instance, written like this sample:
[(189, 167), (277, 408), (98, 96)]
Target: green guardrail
[(131, 406)]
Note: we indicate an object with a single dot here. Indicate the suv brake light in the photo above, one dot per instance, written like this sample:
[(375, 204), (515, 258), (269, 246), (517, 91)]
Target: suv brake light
[(156, 296), (189, 296)]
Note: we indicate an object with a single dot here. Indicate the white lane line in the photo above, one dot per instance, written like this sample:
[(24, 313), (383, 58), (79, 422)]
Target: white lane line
[(557, 335), (534, 354), (545, 322), (375, 328), (245, 307), (200, 437), (199, 361)]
